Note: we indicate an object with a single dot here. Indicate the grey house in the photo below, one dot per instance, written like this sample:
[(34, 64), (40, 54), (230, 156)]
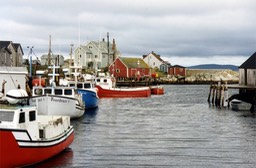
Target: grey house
[(96, 54), (10, 54)]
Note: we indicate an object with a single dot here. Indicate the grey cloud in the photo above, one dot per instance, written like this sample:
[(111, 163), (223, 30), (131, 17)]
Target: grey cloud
[(182, 28)]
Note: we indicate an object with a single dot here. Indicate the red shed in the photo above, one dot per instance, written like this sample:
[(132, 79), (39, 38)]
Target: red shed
[(177, 70), (126, 67)]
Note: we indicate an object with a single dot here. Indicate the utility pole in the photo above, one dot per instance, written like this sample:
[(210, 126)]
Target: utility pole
[(70, 61), (108, 47)]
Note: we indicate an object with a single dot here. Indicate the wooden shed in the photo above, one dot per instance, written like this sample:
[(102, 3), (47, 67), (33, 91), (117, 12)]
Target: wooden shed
[(247, 83), (247, 72), (177, 70)]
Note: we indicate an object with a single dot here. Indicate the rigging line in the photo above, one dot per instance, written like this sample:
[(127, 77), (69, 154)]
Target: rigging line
[(11, 76)]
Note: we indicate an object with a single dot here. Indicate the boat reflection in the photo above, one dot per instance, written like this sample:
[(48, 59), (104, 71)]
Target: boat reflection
[(63, 159)]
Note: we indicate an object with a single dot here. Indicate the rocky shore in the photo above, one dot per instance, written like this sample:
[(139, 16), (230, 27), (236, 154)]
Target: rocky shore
[(196, 76)]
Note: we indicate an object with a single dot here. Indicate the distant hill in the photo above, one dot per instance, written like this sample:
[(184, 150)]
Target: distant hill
[(214, 66)]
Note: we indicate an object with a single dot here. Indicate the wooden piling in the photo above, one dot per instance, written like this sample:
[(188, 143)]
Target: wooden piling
[(218, 94)]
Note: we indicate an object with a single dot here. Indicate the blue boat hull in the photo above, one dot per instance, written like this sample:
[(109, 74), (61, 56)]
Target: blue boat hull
[(90, 98)]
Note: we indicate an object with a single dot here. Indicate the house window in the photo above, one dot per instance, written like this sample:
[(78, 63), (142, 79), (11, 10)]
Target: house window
[(96, 56), (117, 70), (154, 63), (181, 69), (143, 70)]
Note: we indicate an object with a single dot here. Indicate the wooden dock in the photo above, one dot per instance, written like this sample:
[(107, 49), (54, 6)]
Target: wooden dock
[(219, 97)]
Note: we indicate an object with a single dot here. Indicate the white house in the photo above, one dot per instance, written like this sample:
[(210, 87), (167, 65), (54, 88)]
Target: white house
[(15, 76), (96, 54), (155, 61)]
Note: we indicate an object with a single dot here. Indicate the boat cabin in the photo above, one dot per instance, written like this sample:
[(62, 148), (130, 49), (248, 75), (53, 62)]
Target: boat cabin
[(31, 125), (20, 118), (106, 82), (61, 91), (80, 85)]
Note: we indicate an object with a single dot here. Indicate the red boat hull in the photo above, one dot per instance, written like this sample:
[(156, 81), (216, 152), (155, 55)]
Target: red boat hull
[(157, 90), (122, 93), (14, 155)]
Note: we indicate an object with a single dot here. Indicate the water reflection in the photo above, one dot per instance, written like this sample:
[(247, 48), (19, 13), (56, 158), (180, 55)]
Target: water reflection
[(63, 159)]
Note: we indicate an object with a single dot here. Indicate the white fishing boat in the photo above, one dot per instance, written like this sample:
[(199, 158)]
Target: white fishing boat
[(57, 101), (238, 105)]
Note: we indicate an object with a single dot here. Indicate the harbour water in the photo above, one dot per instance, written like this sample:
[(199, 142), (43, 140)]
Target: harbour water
[(177, 129)]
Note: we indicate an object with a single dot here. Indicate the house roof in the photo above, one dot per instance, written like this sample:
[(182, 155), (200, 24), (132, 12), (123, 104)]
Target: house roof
[(17, 45), (250, 63), (178, 66), (4, 44), (133, 62)]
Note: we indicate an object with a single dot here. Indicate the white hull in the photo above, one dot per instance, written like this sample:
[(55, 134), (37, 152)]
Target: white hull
[(57, 105), (238, 105)]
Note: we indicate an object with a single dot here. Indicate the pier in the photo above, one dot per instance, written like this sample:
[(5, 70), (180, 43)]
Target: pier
[(219, 96)]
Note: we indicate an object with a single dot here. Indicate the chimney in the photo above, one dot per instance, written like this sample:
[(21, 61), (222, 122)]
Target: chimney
[(114, 49)]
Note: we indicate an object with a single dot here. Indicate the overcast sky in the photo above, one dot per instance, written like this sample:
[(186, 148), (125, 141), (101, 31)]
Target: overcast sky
[(184, 32)]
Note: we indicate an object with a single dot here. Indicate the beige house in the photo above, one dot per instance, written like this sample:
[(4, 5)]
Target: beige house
[(54, 59), (10, 54)]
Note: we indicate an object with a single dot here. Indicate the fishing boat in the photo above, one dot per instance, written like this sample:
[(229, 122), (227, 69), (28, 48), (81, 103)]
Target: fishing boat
[(27, 138), (106, 89), (84, 86), (57, 100), (51, 100), (88, 91), (157, 90)]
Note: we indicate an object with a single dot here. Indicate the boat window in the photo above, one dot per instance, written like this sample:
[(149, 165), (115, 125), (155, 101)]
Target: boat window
[(98, 80), (105, 80), (6, 116), (47, 91), (38, 91), (72, 85), (32, 115), (58, 91), (41, 133), (87, 85), (68, 91), (22, 117), (79, 85)]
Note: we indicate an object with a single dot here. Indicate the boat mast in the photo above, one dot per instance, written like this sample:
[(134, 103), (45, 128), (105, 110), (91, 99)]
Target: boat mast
[(49, 52)]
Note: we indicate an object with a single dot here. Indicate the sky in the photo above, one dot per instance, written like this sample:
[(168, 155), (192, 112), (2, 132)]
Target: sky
[(183, 32)]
